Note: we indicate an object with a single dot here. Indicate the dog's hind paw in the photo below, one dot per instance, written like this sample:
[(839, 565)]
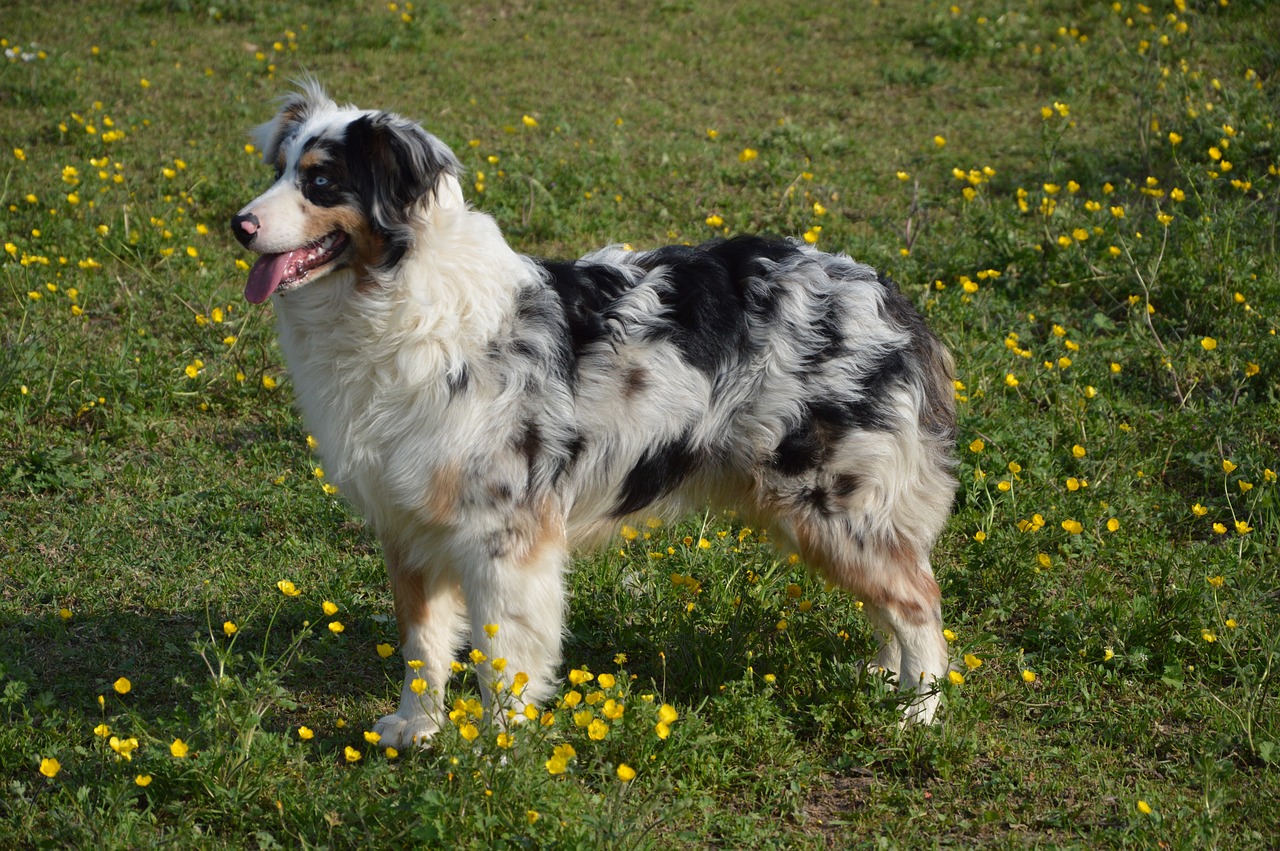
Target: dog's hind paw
[(398, 732)]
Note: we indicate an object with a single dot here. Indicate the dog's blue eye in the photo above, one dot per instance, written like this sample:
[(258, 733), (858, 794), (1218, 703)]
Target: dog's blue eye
[(319, 180)]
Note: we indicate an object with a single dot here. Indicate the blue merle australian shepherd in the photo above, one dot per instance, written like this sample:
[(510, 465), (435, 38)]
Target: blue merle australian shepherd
[(488, 411)]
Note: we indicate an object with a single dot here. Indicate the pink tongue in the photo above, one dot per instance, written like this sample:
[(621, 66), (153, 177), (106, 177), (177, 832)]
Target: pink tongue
[(265, 276)]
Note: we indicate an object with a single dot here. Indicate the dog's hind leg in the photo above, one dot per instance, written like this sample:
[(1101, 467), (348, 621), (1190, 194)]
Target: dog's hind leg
[(429, 614), (893, 578)]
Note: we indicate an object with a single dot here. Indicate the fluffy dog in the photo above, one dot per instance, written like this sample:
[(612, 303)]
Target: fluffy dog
[(488, 411)]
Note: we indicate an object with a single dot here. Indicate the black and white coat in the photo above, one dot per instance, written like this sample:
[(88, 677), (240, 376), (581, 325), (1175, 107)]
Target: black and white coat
[(488, 411)]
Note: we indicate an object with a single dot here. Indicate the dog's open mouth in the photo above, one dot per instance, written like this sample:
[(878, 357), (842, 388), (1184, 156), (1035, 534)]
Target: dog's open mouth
[(286, 270)]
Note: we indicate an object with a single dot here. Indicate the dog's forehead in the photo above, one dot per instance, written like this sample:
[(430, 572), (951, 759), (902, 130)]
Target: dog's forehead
[(317, 135)]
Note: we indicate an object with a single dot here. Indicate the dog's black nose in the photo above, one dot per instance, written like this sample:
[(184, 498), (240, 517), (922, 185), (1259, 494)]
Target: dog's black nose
[(245, 227)]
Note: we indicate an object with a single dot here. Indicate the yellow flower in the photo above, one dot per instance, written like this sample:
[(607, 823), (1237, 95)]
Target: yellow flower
[(1208, 343), (179, 748), (64, 613), (1208, 636), (143, 780), (124, 747), (1219, 528), (1078, 451), (667, 713), (385, 650), (491, 630), (351, 754), (955, 678), (715, 220), (287, 588), (606, 681), (391, 753), (939, 141), (371, 737), (626, 773), (305, 733), (1028, 676), (102, 731), (229, 628), (329, 608), (948, 635), (1227, 466), (747, 155), (529, 121), (1043, 560), (980, 536), (1108, 654), (1144, 807), (1011, 380), (977, 446), (597, 729), (630, 533), (1073, 526), (122, 685), (577, 677), (50, 767), (1199, 510), (336, 627), (1215, 581), (1243, 527), (418, 685), (972, 662)]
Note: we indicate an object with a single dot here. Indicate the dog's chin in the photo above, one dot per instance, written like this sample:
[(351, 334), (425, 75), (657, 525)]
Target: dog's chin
[(287, 271)]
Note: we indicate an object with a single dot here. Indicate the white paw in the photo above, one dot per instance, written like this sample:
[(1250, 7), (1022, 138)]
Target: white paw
[(399, 732), (922, 709)]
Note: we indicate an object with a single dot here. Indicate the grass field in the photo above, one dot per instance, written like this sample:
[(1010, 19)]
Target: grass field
[(1081, 197)]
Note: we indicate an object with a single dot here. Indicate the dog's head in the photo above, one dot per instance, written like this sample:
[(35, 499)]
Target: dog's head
[(350, 186)]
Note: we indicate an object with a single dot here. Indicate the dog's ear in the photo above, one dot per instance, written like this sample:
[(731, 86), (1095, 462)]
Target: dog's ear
[(295, 108), (395, 165)]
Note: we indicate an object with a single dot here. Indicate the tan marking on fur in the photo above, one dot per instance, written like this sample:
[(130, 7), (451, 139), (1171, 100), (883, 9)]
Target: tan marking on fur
[(887, 574), (409, 592), (539, 530), (368, 246), (312, 159), (443, 494)]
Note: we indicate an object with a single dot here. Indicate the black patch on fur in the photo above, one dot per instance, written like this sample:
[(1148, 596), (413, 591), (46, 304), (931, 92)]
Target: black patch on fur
[(704, 310), (634, 382), (844, 485), (659, 472), (585, 290), (392, 164), (799, 451), (327, 183), (458, 380)]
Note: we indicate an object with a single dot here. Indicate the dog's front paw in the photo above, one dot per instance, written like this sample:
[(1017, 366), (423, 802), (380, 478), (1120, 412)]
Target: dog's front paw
[(923, 709), (398, 731)]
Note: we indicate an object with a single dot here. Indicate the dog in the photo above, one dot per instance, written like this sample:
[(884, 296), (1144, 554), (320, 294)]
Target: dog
[(487, 411)]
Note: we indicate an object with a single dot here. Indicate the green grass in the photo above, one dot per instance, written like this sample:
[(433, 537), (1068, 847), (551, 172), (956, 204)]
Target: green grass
[(155, 482)]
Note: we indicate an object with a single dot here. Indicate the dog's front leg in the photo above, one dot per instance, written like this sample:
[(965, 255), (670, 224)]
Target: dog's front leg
[(515, 601), (429, 614)]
